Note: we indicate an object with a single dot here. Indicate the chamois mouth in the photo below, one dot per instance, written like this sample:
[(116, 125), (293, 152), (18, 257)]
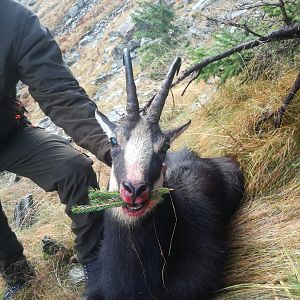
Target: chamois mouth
[(137, 209), (136, 200)]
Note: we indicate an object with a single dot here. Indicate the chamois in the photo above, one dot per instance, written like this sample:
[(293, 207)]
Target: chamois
[(175, 248)]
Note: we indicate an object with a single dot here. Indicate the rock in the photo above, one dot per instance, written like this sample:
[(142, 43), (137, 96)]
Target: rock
[(170, 2), (45, 122), (117, 52), (194, 32), (113, 39), (145, 42), (115, 34), (81, 3), (71, 58), (87, 39), (101, 90), (116, 65), (133, 44), (117, 114), (15, 178), (132, 55), (9, 178), (68, 22), (51, 246), (103, 77), (127, 29), (74, 10), (202, 4), (31, 3), (231, 15), (24, 212), (50, 127)]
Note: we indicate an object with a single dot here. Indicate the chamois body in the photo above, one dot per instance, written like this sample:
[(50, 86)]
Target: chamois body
[(177, 250), (170, 249)]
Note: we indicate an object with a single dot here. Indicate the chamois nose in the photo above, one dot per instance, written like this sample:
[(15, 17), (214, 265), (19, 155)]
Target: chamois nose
[(134, 191)]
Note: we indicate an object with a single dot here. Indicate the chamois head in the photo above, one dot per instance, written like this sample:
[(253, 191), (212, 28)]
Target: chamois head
[(139, 147)]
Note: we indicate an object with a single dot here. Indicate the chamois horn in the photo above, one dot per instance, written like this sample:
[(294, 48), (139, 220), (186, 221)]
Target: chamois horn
[(132, 107), (158, 102)]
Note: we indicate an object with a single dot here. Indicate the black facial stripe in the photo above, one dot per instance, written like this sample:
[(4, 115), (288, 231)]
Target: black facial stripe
[(153, 173), (119, 165), (127, 129)]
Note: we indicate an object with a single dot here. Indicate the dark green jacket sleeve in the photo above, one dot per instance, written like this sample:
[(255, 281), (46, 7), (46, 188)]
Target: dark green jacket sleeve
[(40, 66)]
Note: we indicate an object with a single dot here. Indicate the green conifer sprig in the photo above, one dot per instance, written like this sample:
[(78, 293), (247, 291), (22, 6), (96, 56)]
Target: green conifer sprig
[(100, 200)]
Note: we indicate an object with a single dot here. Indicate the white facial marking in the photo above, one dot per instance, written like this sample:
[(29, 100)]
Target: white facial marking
[(138, 152), (103, 125), (117, 213), (113, 185)]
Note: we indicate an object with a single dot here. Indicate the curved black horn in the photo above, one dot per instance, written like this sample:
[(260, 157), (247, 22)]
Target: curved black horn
[(132, 107), (158, 102)]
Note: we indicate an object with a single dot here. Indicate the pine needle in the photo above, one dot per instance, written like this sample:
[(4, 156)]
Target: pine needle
[(100, 200)]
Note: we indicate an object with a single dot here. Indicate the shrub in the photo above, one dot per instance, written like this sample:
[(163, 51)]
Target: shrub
[(157, 23), (272, 18)]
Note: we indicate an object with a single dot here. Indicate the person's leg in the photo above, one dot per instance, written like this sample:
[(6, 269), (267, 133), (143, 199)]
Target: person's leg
[(53, 164), (9, 245), (14, 267)]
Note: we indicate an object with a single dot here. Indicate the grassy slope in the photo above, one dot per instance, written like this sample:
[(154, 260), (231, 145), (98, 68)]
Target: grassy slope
[(265, 259)]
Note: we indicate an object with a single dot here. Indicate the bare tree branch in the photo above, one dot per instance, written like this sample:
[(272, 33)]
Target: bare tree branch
[(144, 109), (285, 16), (232, 24), (257, 5), (278, 114), (284, 33)]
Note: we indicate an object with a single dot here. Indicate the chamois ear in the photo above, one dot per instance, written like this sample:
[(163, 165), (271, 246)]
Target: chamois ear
[(107, 126), (172, 134)]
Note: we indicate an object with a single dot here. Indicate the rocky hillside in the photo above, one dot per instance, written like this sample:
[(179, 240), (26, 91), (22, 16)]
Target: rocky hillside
[(92, 35), (264, 261)]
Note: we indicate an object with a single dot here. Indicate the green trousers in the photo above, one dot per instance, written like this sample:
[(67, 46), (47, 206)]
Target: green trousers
[(53, 164)]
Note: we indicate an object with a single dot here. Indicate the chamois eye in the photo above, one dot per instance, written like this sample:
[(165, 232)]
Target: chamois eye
[(165, 147), (113, 141)]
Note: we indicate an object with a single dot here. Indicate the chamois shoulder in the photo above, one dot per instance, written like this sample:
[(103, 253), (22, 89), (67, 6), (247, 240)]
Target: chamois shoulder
[(205, 179)]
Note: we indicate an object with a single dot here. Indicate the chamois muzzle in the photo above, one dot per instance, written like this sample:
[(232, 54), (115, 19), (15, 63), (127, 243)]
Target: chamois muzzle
[(134, 193), (136, 197)]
